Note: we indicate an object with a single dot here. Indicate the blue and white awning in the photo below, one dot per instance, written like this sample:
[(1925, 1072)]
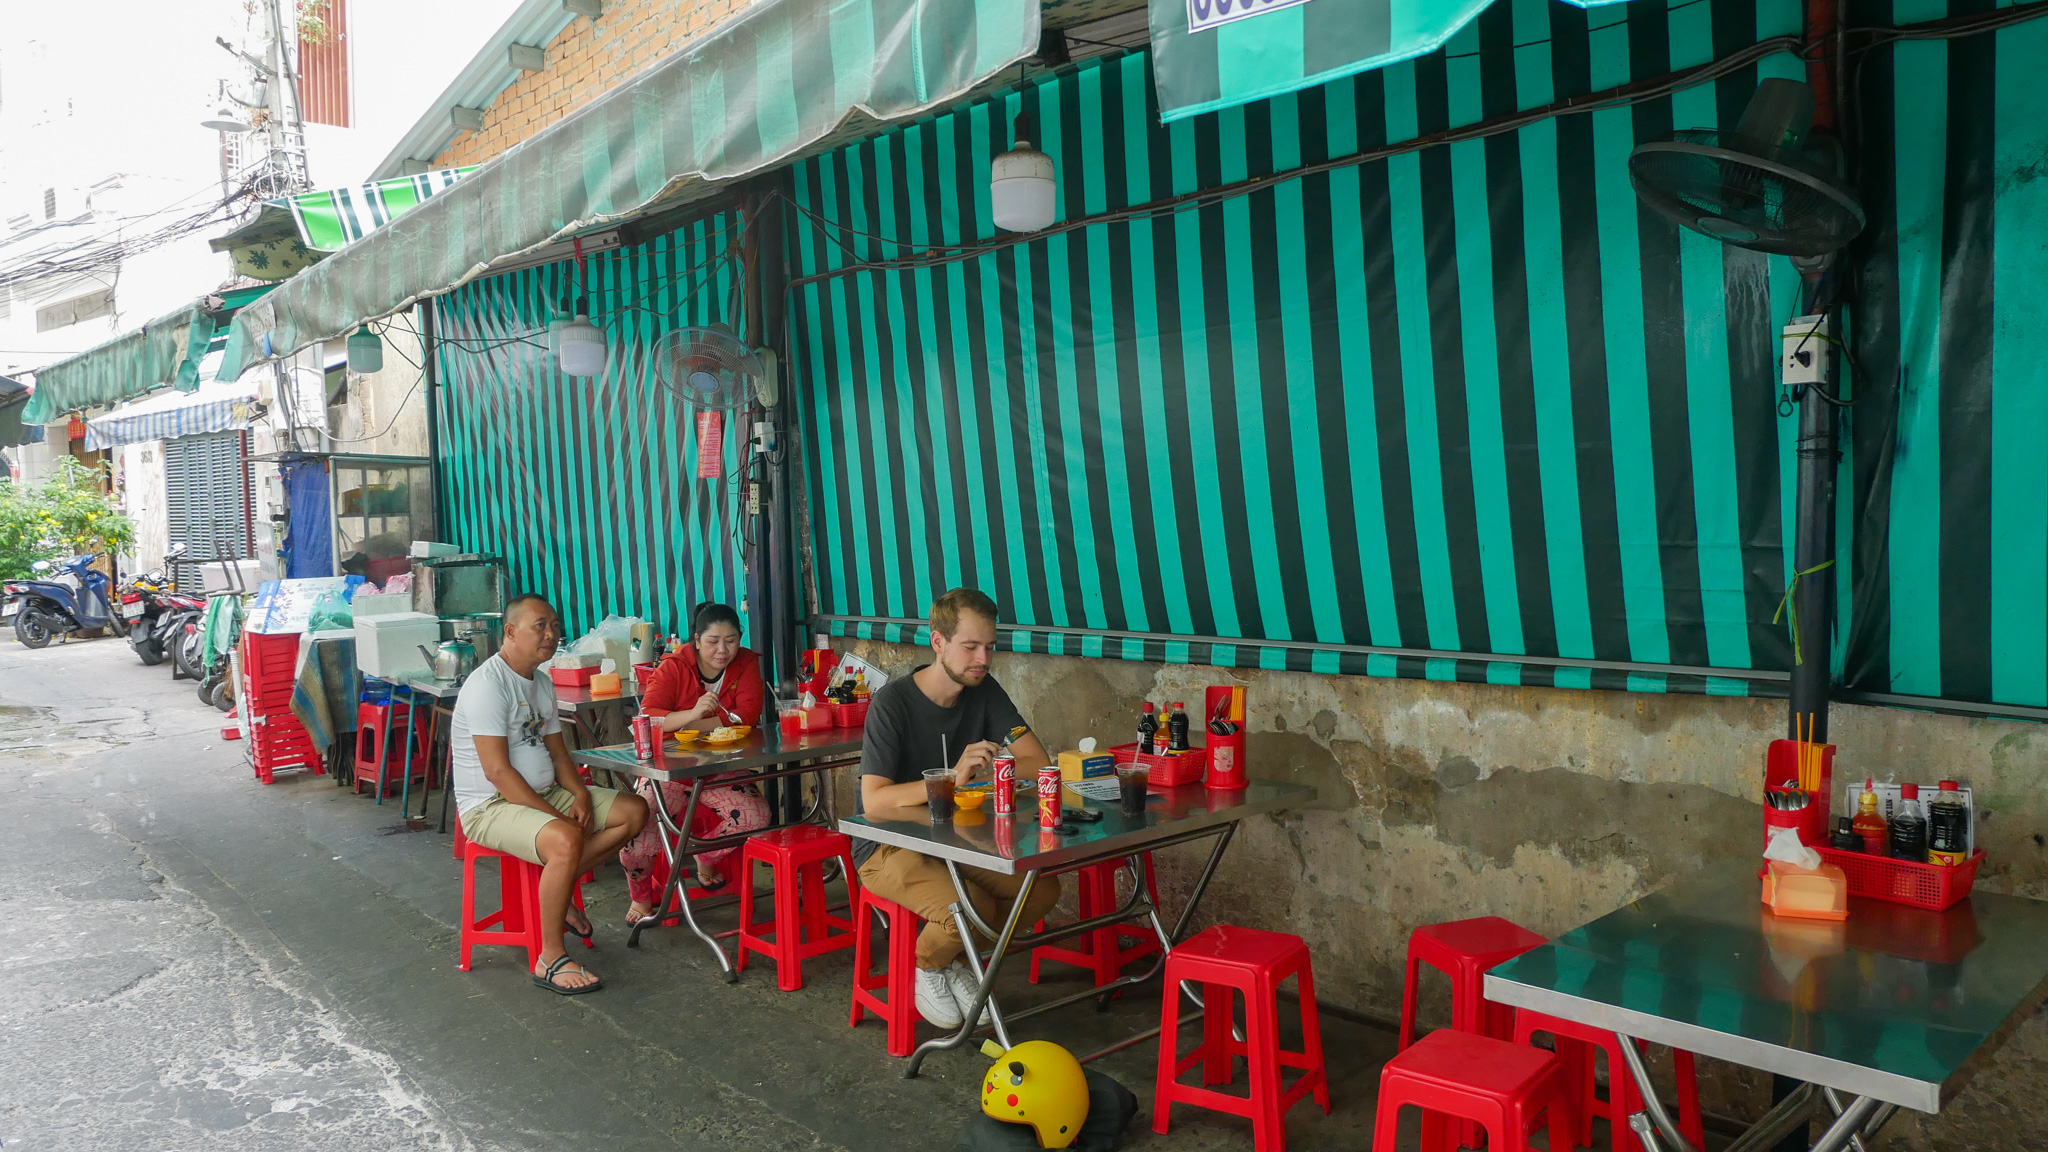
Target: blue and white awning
[(217, 406)]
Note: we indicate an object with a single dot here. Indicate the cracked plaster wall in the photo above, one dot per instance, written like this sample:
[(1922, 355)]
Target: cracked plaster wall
[(1549, 807)]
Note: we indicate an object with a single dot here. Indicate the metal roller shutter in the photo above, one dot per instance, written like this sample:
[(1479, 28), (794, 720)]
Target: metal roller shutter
[(206, 483)]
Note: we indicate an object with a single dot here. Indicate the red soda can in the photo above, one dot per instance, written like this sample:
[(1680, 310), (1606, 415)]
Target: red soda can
[(1006, 836), (1049, 796), (1005, 786), (643, 737)]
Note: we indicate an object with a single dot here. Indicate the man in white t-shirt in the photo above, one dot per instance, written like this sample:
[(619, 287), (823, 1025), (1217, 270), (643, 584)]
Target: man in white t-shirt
[(519, 794)]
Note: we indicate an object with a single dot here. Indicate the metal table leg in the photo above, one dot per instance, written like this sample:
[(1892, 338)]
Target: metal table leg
[(988, 976)]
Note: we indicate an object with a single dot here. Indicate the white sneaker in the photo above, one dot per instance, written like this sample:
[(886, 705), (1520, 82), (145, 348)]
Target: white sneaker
[(935, 998), (965, 989)]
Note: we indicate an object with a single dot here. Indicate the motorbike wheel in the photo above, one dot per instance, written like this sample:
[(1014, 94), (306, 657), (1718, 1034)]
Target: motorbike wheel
[(224, 696), (32, 628), (187, 655), (150, 651), (206, 689)]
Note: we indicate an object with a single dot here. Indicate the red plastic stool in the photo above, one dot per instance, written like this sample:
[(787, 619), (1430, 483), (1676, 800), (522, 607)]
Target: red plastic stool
[(899, 1009), (1102, 951), (1576, 1044), (1464, 950), (516, 923), (802, 927), (377, 765), (1456, 1075), (1252, 962)]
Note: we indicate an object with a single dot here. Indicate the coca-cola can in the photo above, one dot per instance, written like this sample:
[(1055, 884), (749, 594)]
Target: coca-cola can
[(1049, 796), (1005, 786), (643, 737)]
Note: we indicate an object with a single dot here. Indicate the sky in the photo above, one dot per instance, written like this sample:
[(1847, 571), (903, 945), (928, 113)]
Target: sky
[(119, 87)]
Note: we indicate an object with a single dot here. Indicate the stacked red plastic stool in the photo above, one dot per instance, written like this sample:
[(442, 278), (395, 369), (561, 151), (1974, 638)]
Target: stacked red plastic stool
[(1102, 951), (803, 927), (1460, 1078), (1464, 950), (1576, 1044), (516, 923), (277, 740), (1252, 963), (379, 766), (897, 1008)]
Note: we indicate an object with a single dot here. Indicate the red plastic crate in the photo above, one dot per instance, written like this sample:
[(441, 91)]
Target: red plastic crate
[(1931, 886), (1168, 769), (571, 677)]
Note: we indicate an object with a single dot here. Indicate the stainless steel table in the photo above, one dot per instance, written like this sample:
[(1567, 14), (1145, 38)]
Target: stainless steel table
[(587, 713), (1895, 1006), (772, 756), (1015, 844)]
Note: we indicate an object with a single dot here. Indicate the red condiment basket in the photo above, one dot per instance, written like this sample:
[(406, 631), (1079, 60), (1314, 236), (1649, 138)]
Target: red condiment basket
[(850, 715), (1931, 886), (1168, 769)]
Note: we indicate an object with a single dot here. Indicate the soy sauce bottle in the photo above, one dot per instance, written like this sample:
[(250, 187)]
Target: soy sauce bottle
[(1909, 827), (1148, 729), (1177, 729), (1845, 838)]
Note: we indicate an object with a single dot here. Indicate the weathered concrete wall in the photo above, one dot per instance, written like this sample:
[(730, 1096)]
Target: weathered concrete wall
[(1548, 807)]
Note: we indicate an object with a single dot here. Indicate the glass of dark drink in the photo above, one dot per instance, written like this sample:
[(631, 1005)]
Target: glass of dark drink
[(1131, 781), (938, 792)]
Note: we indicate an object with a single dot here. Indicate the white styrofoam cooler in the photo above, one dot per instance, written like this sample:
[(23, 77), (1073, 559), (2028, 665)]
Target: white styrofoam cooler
[(388, 646)]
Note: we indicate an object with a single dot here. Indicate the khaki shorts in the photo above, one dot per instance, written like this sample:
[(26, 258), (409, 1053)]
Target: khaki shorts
[(514, 829)]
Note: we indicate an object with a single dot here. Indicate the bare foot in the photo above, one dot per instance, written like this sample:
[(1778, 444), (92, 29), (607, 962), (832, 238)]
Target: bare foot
[(636, 912), (574, 919)]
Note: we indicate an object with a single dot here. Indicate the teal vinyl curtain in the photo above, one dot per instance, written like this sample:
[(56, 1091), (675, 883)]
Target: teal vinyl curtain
[(1212, 54), (162, 353), (757, 91), (589, 488)]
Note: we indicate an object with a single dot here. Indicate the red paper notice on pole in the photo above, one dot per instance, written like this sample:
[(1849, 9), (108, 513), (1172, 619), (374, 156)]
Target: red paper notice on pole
[(710, 444)]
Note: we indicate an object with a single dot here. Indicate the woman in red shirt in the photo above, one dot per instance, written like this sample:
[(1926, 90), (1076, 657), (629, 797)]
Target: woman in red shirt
[(702, 685)]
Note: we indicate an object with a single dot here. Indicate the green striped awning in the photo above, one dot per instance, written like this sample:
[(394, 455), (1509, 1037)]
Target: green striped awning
[(338, 216), (164, 352), (768, 86), (1212, 54)]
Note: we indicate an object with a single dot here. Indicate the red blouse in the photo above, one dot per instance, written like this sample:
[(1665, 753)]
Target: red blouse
[(677, 686)]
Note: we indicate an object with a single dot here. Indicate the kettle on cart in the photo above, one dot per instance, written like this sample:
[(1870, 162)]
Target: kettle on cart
[(452, 661)]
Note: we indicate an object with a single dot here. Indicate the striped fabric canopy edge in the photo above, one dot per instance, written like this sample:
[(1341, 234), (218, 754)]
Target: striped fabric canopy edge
[(331, 219), (196, 415)]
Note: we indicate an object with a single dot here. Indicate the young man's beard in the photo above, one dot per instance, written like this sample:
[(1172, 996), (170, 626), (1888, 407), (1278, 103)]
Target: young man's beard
[(962, 677)]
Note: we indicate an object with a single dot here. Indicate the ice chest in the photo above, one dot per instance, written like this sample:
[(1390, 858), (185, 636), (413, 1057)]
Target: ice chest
[(388, 646)]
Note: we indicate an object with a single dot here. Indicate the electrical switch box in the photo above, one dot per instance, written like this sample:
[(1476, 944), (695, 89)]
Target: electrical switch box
[(1806, 359)]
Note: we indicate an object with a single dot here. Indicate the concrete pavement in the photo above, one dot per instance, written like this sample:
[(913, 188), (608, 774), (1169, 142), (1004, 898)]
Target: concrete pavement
[(195, 961)]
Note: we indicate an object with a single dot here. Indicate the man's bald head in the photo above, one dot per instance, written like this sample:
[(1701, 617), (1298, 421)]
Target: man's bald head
[(532, 633), (523, 605)]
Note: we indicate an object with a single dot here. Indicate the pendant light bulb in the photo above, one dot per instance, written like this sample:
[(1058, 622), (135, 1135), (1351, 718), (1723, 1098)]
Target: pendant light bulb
[(1021, 186), (365, 351), (578, 346)]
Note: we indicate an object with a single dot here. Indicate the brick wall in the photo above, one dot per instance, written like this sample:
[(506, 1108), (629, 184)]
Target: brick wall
[(588, 58)]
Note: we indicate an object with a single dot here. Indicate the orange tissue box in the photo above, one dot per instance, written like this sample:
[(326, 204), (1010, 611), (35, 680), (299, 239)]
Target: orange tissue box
[(606, 684), (1806, 893)]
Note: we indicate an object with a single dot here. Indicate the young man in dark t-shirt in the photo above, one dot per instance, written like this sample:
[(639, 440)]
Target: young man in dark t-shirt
[(953, 697)]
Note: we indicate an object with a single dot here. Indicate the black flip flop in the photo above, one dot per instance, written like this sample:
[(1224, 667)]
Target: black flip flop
[(583, 935), (547, 979)]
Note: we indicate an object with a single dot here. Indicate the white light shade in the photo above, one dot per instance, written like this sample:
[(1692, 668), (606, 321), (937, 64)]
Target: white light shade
[(224, 119), (578, 346), (1020, 189), (365, 351)]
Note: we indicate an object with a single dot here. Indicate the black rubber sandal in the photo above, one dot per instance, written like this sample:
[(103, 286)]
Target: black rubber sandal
[(547, 979), (583, 934)]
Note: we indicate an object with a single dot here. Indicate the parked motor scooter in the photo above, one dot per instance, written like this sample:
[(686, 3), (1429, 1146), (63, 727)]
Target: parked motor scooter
[(72, 599), (152, 609)]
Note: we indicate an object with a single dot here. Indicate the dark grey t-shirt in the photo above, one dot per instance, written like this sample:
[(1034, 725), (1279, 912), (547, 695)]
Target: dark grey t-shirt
[(901, 738)]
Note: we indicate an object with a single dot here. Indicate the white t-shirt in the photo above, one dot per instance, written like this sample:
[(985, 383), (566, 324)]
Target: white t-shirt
[(496, 701)]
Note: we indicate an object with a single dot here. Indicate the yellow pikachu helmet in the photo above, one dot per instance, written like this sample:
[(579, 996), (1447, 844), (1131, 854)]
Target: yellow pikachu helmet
[(1041, 1084)]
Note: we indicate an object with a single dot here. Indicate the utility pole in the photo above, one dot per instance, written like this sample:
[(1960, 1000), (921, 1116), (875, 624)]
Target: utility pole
[(287, 132)]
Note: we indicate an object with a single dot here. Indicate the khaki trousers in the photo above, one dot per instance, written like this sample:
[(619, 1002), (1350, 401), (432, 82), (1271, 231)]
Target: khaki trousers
[(920, 883)]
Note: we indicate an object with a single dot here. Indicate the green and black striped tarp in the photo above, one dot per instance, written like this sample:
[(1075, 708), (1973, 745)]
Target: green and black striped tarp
[(588, 488), (1469, 400)]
